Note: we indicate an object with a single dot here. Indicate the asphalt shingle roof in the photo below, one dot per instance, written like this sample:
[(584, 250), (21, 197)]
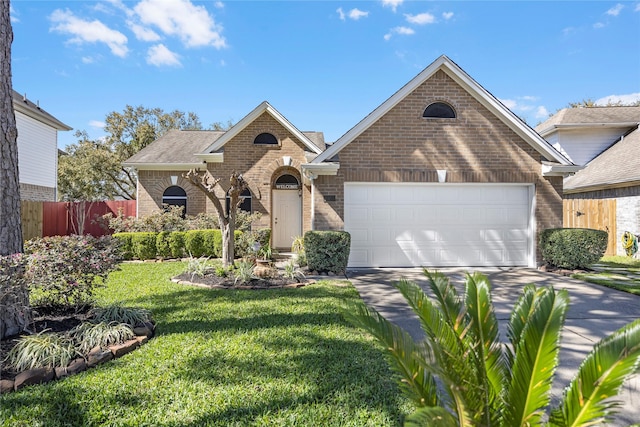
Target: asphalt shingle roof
[(176, 146), (591, 115)]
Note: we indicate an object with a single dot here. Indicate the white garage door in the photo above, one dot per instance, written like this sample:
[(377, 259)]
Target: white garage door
[(438, 225)]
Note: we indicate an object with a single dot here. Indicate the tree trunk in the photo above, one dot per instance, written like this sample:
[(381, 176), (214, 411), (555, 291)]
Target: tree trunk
[(227, 245), (15, 313), (10, 225)]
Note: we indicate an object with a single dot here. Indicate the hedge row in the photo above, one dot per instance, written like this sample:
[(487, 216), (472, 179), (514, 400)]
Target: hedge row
[(176, 244), (572, 247)]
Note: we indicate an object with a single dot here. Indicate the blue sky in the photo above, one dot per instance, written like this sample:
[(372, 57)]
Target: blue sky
[(323, 64)]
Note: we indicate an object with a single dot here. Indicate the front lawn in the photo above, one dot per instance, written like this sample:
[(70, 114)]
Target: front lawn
[(617, 272), (280, 357)]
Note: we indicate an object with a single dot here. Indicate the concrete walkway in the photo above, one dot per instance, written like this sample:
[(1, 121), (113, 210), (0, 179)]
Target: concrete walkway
[(594, 312)]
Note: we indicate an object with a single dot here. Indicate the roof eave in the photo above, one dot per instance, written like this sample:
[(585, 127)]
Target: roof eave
[(210, 157), (30, 112), (314, 170), (602, 186), (557, 169), (164, 166)]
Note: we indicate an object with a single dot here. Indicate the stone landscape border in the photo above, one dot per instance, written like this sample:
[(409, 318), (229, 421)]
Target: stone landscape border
[(96, 356)]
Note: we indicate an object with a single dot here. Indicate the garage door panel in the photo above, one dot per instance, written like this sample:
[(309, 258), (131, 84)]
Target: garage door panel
[(438, 225)]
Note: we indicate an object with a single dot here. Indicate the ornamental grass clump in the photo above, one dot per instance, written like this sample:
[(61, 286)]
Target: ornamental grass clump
[(88, 335), (42, 350), (462, 375), (132, 316)]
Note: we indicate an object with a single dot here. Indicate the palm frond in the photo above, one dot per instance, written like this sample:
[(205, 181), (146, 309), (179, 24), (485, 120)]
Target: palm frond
[(403, 354), (431, 416), (587, 399), (457, 369), (484, 338), (536, 358), (518, 319), (448, 299)]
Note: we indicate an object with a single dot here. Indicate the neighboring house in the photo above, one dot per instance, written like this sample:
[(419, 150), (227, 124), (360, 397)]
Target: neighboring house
[(440, 174), (37, 149), (606, 193)]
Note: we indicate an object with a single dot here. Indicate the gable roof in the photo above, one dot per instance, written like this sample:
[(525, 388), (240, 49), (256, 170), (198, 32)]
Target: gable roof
[(473, 88), (253, 115), (28, 108), (614, 116), (176, 148), (615, 167)]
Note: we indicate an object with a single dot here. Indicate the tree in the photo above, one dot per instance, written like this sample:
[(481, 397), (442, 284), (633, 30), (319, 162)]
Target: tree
[(10, 224), (93, 168), (14, 295), (483, 382), (207, 183)]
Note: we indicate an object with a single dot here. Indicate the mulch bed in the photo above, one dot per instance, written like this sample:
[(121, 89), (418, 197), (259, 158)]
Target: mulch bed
[(51, 320)]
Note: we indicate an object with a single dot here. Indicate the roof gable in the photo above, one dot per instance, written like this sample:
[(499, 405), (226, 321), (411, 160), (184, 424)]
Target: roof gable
[(473, 88), (614, 167), (253, 115), (585, 117)]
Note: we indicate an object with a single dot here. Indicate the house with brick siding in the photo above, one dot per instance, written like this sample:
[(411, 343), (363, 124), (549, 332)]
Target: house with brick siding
[(37, 149), (606, 193), (440, 174)]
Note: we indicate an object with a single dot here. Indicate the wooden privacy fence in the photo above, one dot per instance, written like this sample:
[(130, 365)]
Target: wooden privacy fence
[(599, 214), (41, 219)]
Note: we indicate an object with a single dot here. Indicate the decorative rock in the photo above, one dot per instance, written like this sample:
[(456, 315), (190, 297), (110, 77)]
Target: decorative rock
[(33, 376), (142, 339), (143, 330), (97, 356), (76, 366), (6, 386), (122, 349)]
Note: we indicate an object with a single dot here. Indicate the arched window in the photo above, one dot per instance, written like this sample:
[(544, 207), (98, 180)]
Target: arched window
[(439, 110), (287, 182), (266, 139), (175, 196), (245, 204)]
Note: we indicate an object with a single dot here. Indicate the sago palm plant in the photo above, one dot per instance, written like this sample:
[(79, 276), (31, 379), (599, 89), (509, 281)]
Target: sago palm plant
[(462, 375)]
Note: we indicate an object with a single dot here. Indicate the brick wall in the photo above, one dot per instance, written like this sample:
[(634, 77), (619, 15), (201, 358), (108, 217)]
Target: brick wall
[(260, 166), (402, 146), (37, 193)]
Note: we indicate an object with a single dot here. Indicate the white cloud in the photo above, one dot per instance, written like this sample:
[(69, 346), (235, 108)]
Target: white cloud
[(598, 25), (509, 103), (181, 18), (420, 19), (159, 55), (218, 5), (88, 60), (615, 10), (629, 98), (341, 14), (447, 15), (143, 33), (82, 31), (393, 4), (405, 31), (97, 124), (568, 31), (356, 14), (637, 9), (13, 15), (542, 112), (529, 98)]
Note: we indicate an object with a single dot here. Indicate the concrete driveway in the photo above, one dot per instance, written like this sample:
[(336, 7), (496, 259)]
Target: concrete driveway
[(594, 312)]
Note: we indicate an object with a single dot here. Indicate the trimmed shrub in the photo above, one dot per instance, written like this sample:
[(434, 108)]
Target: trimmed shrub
[(572, 247), (64, 271), (198, 243), (163, 248), (176, 244), (126, 250), (327, 251), (144, 245)]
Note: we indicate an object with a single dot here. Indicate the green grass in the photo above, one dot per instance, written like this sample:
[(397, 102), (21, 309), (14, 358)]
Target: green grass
[(617, 272), (230, 358)]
